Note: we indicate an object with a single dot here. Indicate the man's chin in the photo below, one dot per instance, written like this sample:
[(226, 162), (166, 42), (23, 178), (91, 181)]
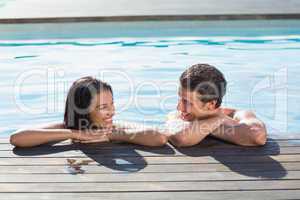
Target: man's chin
[(206, 116), (187, 117)]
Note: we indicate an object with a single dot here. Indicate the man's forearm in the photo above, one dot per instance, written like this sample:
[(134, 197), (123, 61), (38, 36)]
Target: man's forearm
[(245, 132), (196, 132)]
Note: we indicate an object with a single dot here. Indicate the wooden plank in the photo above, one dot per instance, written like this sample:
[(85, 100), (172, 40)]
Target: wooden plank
[(152, 186), (145, 177), (216, 144), (70, 151), (200, 168), (224, 195), (152, 153), (153, 160), (250, 169), (209, 140)]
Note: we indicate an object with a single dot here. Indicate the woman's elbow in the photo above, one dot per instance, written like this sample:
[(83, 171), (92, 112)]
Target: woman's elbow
[(153, 139), (16, 139), (180, 141), (161, 140)]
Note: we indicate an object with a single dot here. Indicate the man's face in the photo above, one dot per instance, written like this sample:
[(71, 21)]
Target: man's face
[(191, 107)]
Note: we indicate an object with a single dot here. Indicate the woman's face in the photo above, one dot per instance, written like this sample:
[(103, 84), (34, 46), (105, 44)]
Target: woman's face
[(102, 109)]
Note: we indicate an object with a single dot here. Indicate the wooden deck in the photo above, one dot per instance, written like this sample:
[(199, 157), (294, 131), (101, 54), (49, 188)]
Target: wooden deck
[(210, 170)]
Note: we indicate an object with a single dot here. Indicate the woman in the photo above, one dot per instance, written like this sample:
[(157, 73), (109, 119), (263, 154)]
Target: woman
[(88, 118)]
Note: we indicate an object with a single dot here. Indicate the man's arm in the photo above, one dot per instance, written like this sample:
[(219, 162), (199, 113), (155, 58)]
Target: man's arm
[(138, 134), (195, 131), (147, 138), (243, 129)]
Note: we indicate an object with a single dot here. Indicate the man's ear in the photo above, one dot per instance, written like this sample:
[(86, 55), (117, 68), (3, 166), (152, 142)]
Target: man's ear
[(211, 105)]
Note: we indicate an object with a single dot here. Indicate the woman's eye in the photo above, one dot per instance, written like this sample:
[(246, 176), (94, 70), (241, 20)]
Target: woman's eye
[(102, 108), (107, 107)]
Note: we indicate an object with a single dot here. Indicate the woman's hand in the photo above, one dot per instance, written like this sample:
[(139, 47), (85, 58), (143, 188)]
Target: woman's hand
[(91, 136)]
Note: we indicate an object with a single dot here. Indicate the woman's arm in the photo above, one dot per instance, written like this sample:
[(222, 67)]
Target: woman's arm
[(35, 137), (53, 133)]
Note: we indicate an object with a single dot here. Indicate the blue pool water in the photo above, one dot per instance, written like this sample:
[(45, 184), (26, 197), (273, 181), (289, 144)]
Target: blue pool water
[(143, 61)]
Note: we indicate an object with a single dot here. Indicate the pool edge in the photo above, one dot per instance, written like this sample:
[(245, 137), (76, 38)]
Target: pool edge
[(149, 18)]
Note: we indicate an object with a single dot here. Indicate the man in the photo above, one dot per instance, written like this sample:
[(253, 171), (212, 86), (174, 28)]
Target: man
[(202, 88)]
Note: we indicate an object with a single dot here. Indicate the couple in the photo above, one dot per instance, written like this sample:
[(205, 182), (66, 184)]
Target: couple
[(90, 109)]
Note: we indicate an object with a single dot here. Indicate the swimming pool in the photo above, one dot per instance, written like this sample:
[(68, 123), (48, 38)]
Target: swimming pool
[(142, 61)]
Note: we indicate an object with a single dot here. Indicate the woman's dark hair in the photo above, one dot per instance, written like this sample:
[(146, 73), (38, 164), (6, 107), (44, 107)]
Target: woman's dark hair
[(206, 80), (79, 99)]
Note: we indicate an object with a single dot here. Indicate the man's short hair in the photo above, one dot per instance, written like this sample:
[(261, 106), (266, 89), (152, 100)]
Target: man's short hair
[(206, 80)]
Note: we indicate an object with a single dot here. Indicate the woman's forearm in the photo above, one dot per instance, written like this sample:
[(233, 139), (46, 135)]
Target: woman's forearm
[(30, 138), (146, 138)]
